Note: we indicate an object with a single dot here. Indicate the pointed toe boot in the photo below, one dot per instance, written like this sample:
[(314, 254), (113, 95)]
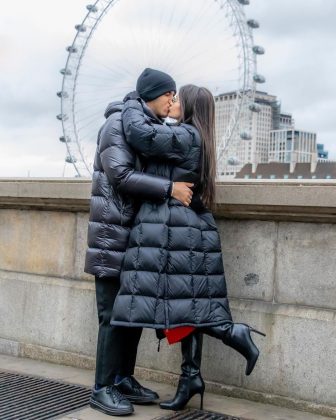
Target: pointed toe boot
[(191, 381), (238, 337)]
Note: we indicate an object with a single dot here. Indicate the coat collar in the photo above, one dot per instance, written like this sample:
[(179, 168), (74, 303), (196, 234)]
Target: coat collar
[(150, 113)]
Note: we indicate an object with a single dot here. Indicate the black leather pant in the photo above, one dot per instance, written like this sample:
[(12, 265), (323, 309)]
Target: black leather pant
[(116, 346)]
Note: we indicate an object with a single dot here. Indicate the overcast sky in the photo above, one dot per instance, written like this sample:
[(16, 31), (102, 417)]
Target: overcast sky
[(299, 66)]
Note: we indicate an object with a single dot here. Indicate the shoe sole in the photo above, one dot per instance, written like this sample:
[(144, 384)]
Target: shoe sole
[(110, 411), (140, 400)]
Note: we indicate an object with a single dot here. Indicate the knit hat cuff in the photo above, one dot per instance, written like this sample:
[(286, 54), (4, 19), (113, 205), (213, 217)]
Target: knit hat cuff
[(160, 89)]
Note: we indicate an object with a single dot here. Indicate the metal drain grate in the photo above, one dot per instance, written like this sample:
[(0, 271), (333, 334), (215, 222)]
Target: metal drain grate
[(199, 415), (25, 397)]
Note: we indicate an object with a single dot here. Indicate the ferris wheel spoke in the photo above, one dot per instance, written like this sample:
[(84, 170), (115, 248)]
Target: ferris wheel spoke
[(157, 35), (117, 69), (191, 26), (81, 128), (188, 48), (113, 73), (120, 92), (181, 40), (170, 20), (95, 77), (88, 119)]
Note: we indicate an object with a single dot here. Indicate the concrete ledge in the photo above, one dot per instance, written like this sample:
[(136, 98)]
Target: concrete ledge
[(45, 194), (288, 200), (307, 201)]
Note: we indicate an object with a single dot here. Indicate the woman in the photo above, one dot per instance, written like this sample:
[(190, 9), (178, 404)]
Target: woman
[(173, 271)]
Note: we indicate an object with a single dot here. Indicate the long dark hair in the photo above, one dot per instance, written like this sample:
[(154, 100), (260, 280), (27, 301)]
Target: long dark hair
[(198, 109)]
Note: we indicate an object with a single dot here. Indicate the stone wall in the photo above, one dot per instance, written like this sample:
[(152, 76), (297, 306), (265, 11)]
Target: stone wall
[(278, 243)]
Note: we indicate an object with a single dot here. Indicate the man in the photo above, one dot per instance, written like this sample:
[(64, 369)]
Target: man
[(117, 188)]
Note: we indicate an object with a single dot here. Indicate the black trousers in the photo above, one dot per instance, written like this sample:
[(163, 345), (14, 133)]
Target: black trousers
[(116, 346)]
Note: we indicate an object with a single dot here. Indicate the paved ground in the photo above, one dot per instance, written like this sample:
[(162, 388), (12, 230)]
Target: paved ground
[(232, 406)]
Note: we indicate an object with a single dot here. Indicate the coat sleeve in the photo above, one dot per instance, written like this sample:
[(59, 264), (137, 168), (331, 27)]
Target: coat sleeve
[(165, 142), (118, 163)]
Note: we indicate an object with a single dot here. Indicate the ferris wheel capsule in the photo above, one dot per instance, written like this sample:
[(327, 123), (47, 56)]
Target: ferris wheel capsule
[(254, 107), (62, 117), (244, 2), (252, 23), (92, 8), (62, 94), (66, 72), (257, 49), (258, 78), (65, 139), (70, 159), (245, 135), (80, 28), (233, 161), (71, 49)]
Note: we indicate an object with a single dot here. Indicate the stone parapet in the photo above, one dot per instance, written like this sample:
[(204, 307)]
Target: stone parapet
[(45, 194), (311, 200), (278, 241)]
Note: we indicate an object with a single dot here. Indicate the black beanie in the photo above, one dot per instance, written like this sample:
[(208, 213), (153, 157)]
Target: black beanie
[(153, 83)]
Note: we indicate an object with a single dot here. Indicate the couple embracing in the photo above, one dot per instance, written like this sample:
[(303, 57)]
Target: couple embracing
[(153, 244)]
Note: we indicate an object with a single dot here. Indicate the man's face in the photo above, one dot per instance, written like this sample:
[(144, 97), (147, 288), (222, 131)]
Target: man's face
[(161, 105)]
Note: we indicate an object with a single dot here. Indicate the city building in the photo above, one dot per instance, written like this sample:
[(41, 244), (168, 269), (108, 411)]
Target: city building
[(267, 116), (239, 150), (286, 121), (291, 145), (321, 153), (277, 170)]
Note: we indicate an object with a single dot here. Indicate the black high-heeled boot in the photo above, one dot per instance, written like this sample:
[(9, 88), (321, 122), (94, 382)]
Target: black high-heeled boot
[(190, 382), (238, 336)]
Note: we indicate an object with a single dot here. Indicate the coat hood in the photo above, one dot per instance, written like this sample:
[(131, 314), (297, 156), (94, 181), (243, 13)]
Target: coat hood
[(115, 106)]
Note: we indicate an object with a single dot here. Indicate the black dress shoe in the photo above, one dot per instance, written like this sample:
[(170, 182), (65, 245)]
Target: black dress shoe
[(110, 401), (135, 392)]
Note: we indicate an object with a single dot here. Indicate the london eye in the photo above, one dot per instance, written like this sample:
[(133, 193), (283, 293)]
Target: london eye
[(205, 42)]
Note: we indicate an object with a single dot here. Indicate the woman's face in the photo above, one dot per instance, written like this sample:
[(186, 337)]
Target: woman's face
[(175, 109)]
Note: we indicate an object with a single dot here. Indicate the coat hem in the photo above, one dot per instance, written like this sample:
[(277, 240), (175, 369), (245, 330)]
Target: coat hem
[(163, 326), (102, 274)]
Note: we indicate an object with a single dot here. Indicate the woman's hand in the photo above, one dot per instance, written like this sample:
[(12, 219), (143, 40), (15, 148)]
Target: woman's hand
[(181, 191)]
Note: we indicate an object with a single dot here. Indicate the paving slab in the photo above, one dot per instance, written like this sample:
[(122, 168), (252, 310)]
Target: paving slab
[(233, 406)]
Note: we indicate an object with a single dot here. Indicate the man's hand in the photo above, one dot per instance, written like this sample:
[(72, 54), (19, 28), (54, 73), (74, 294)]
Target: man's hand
[(182, 192)]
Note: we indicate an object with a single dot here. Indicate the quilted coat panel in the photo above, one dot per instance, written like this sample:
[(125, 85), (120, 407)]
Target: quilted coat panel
[(173, 271)]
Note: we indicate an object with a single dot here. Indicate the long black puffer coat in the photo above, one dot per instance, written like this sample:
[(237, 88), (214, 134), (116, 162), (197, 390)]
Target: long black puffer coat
[(172, 273), (115, 186)]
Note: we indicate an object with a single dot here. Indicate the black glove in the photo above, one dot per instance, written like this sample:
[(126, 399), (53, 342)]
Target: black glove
[(132, 95)]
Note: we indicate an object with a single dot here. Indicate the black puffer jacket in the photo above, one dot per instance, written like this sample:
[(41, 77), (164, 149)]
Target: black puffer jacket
[(173, 271), (115, 186)]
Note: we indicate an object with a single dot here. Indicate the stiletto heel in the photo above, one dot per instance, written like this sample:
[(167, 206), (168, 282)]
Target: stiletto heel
[(201, 405), (258, 332)]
